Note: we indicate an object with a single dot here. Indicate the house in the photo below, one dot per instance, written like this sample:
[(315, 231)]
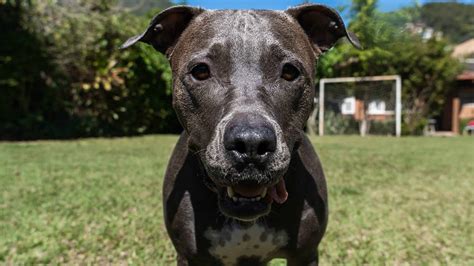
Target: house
[(376, 109), (459, 107), (424, 31)]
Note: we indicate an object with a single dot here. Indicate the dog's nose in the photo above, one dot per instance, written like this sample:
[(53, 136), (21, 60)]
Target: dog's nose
[(250, 139)]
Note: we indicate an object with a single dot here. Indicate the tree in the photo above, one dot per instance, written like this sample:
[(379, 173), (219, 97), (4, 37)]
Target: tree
[(454, 20), (426, 66), (30, 101), (142, 7), (62, 74)]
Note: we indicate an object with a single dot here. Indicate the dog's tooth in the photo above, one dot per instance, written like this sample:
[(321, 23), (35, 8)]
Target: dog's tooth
[(264, 193), (257, 198), (234, 198), (230, 192)]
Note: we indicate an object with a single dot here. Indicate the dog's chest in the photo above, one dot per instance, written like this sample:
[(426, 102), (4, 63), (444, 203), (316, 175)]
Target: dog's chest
[(233, 243)]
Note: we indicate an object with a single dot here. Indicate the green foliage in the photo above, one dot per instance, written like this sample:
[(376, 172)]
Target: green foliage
[(463, 123), (65, 77), (425, 66), (337, 124), (30, 102), (455, 20), (144, 6), (382, 127), (363, 11)]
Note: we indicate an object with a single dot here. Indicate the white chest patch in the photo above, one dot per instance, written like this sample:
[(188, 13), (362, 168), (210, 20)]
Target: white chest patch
[(233, 241)]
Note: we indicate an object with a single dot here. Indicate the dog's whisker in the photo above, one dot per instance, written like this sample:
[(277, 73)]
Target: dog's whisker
[(199, 151)]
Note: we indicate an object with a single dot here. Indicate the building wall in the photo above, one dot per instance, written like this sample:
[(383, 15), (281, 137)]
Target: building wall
[(457, 105)]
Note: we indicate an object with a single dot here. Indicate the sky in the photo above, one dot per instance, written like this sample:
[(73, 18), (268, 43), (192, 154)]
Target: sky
[(384, 5)]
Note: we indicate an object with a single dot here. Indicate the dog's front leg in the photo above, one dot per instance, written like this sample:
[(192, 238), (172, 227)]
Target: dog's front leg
[(182, 261), (312, 260)]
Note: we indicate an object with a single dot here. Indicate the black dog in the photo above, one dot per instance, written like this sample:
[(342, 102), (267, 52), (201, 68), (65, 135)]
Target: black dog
[(244, 184)]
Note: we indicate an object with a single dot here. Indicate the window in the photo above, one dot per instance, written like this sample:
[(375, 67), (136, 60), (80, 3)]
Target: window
[(376, 107), (348, 106)]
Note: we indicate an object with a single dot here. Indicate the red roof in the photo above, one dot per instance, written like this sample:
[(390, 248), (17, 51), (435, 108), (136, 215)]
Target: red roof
[(466, 75)]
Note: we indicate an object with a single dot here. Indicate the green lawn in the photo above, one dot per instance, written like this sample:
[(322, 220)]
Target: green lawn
[(99, 201)]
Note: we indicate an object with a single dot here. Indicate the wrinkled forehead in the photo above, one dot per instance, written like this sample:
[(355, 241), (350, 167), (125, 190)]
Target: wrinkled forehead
[(245, 35)]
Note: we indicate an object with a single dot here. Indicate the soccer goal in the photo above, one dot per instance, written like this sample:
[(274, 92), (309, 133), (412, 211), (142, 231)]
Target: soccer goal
[(359, 105)]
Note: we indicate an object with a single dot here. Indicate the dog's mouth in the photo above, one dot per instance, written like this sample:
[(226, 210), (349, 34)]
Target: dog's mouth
[(247, 203), (269, 194)]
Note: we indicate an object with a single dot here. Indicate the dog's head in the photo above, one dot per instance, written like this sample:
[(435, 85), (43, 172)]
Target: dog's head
[(243, 90)]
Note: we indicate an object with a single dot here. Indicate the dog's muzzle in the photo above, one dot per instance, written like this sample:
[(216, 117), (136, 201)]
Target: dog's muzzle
[(248, 166)]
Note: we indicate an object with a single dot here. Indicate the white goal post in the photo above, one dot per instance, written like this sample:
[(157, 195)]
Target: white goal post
[(398, 97)]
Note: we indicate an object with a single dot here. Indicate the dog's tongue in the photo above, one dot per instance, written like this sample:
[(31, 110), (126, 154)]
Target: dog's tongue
[(278, 192)]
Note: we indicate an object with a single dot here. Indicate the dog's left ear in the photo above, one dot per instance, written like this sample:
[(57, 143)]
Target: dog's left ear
[(165, 28), (323, 25)]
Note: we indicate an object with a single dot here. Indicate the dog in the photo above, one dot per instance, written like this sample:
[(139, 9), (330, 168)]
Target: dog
[(244, 185)]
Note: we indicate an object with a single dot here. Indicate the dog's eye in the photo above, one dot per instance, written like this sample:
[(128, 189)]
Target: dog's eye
[(290, 72), (201, 72)]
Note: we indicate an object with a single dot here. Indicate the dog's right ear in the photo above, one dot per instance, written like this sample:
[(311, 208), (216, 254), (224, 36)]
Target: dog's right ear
[(165, 28)]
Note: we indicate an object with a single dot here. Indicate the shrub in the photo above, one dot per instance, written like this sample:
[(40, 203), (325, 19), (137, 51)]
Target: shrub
[(63, 76)]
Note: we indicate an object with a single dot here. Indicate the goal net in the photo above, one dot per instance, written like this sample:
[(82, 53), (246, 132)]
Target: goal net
[(359, 105)]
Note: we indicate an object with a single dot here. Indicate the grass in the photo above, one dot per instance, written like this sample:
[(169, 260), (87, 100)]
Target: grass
[(392, 201)]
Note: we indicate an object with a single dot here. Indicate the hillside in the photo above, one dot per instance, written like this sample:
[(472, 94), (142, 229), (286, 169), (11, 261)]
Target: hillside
[(455, 20)]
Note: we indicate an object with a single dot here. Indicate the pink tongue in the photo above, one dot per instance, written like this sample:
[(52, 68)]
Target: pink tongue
[(278, 192)]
